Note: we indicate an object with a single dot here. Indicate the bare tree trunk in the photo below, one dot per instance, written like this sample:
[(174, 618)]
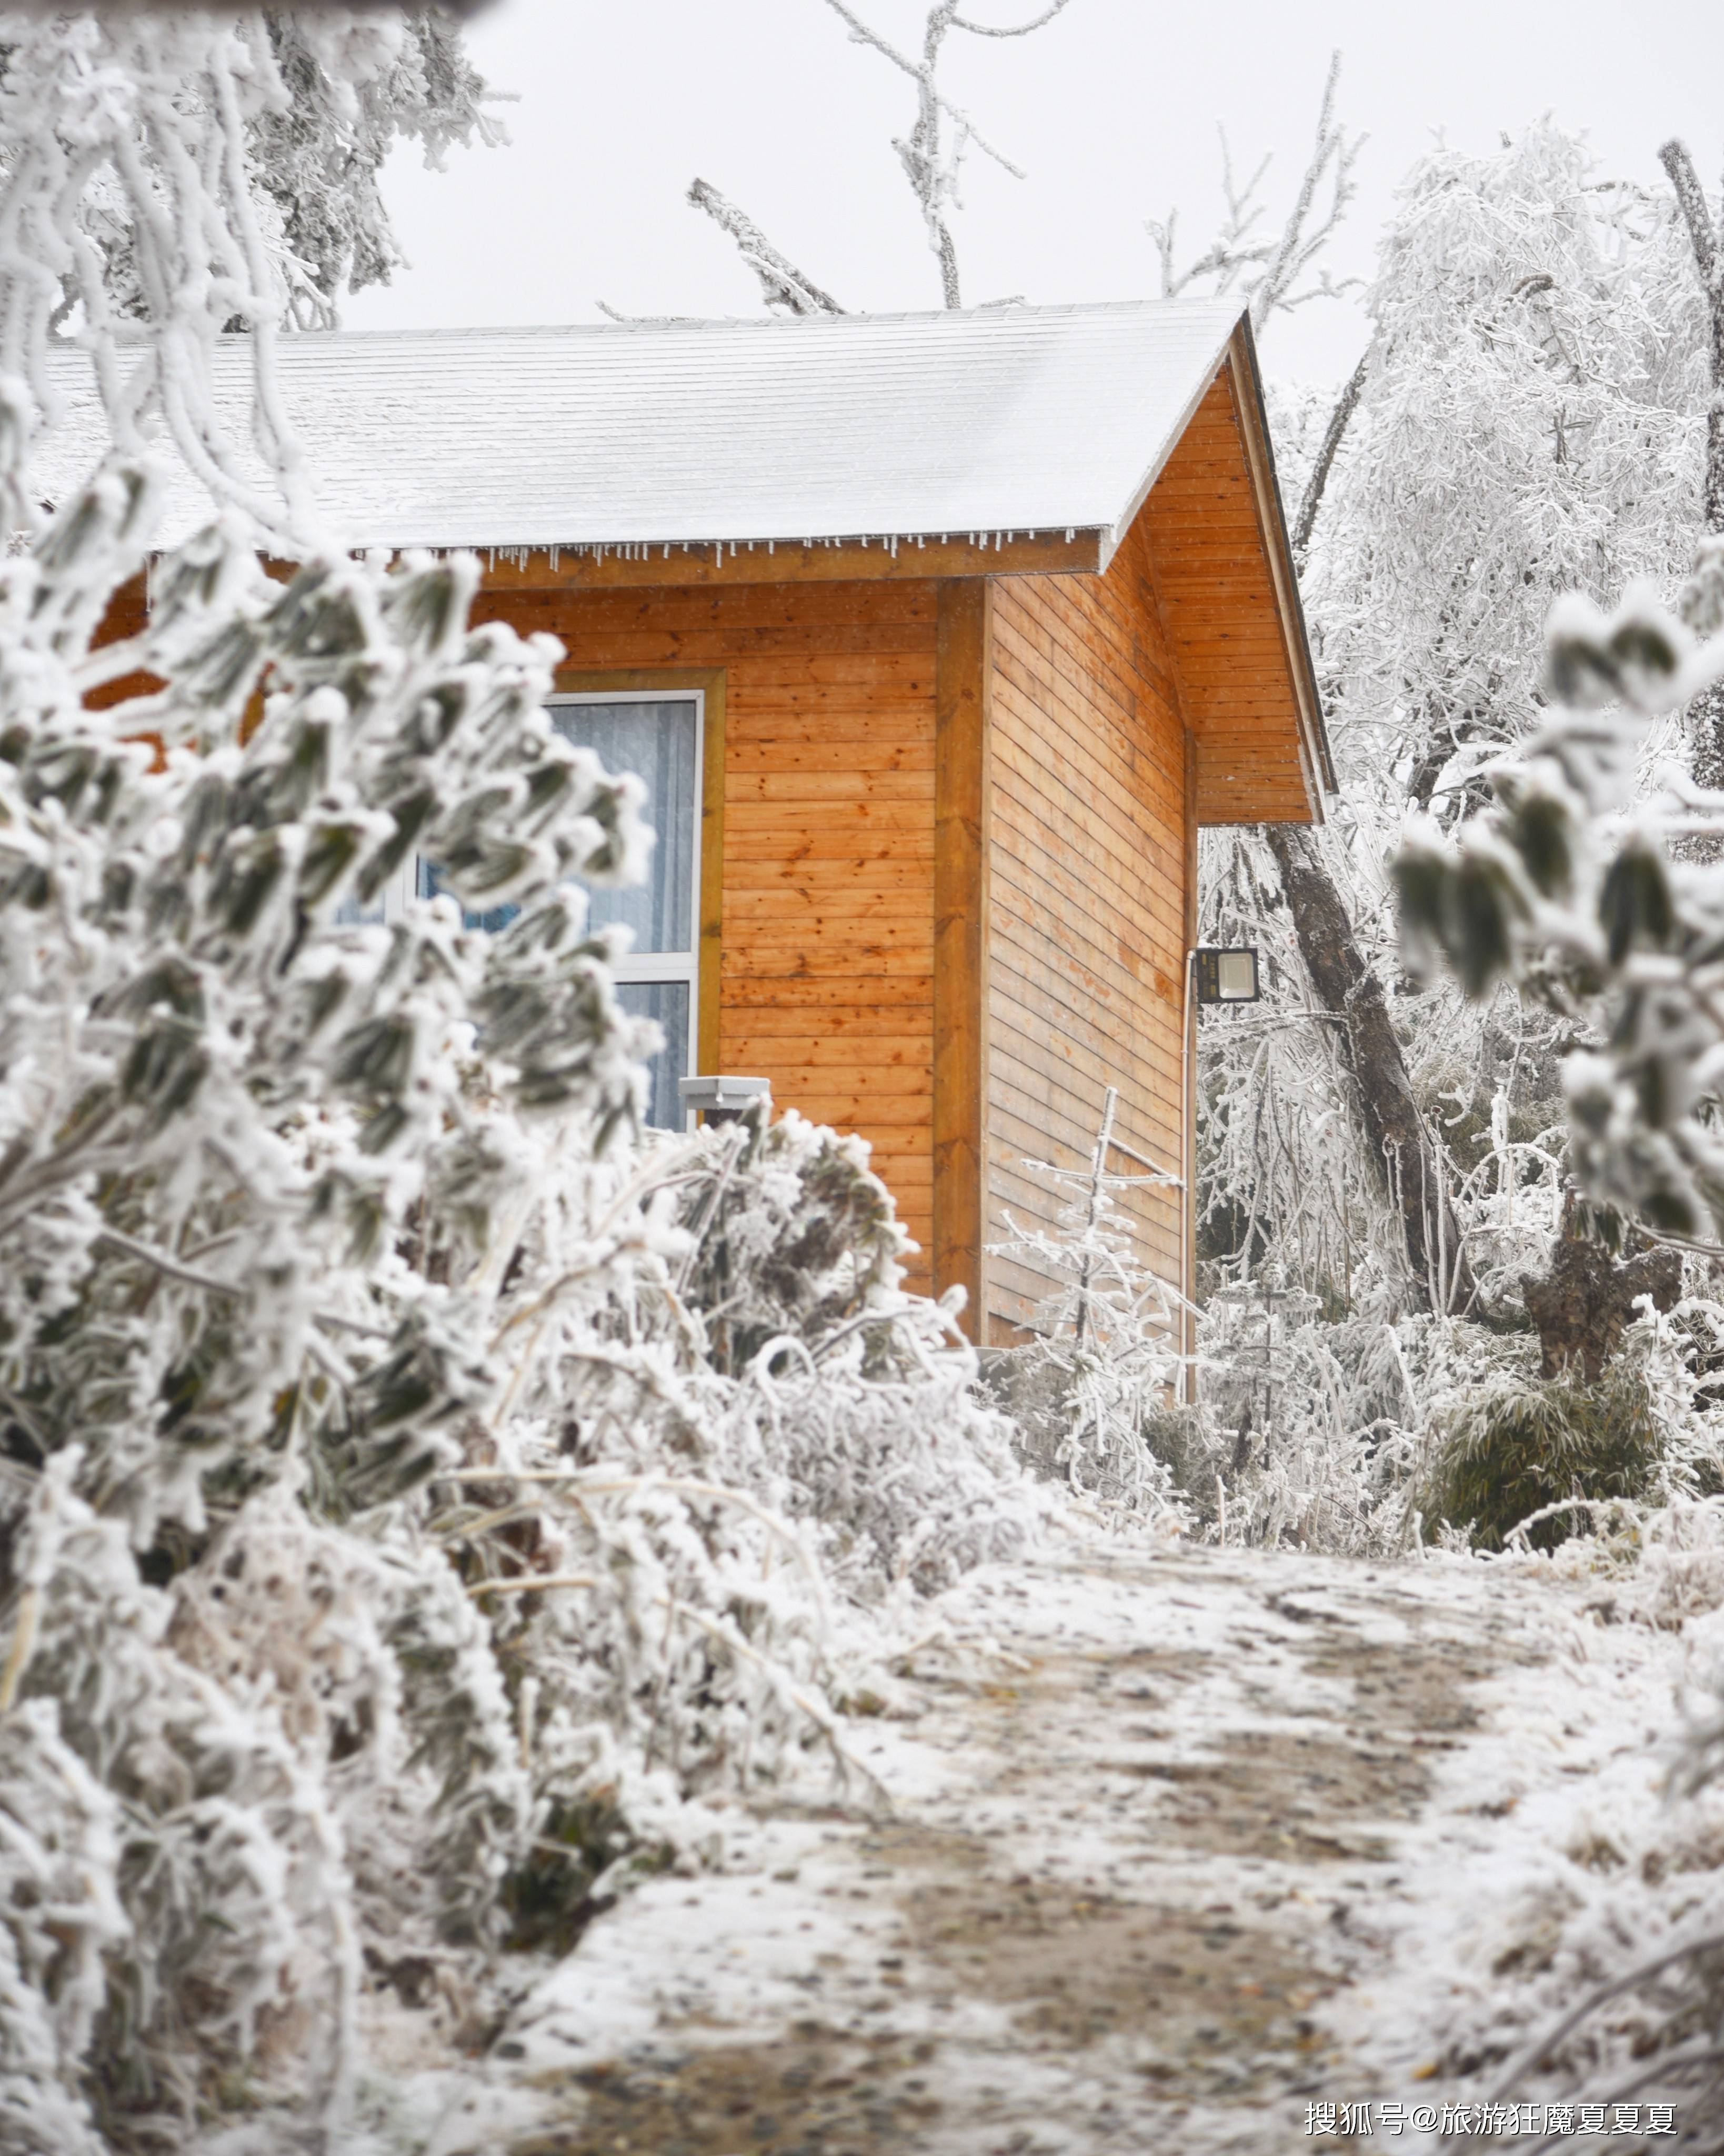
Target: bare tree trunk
[(1345, 406), (1708, 244), (1705, 714), (1398, 1142)]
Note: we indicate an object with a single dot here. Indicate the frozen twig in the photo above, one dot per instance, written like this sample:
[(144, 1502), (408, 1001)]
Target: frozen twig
[(1269, 272)]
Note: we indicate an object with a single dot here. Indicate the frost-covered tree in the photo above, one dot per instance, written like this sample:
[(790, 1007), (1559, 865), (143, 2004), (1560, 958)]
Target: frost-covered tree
[(334, 90), (317, 156), (1533, 366), (1706, 235)]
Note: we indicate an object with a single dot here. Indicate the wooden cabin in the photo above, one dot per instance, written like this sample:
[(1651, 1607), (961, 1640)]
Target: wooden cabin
[(938, 639)]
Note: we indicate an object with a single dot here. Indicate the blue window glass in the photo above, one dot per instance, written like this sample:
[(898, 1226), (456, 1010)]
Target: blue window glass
[(668, 1002), (659, 741)]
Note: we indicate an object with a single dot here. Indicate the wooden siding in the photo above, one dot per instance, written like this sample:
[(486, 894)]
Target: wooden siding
[(1238, 650), (827, 894), (1088, 847), (964, 761)]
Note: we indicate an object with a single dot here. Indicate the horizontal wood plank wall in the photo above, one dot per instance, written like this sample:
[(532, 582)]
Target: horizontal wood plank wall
[(1224, 624), (826, 981), (1087, 922)]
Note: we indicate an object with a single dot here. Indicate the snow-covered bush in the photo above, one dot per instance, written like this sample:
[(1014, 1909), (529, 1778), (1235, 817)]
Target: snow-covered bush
[(1095, 1395)]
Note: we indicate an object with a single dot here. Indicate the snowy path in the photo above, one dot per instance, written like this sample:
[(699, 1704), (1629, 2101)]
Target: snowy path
[(1205, 1844)]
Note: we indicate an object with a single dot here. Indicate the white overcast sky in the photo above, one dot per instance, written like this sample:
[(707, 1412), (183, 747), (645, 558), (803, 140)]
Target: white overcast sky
[(1110, 110)]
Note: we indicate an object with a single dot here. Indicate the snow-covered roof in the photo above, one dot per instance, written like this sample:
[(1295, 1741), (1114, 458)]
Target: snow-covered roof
[(1012, 418)]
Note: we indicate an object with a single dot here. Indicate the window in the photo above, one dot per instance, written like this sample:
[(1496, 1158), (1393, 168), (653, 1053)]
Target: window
[(659, 738)]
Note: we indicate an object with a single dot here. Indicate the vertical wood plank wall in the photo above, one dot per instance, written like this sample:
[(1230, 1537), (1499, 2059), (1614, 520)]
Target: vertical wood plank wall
[(1088, 843), (963, 763), (826, 984)]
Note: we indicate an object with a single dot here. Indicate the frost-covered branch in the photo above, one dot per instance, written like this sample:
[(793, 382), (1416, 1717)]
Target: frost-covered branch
[(782, 285), (1706, 238), (1268, 271), (933, 152), (1011, 29)]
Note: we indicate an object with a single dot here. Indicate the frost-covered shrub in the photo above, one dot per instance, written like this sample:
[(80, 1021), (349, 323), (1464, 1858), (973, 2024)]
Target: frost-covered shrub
[(226, 1111), (412, 1467), (1096, 1393), (1523, 1443), (855, 1407), (217, 1941)]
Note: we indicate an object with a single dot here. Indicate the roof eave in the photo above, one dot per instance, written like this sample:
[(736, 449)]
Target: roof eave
[(1064, 550), (1314, 735)]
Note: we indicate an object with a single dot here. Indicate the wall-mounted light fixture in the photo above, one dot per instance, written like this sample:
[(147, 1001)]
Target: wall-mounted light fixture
[(1226, 976), (722, 1100)]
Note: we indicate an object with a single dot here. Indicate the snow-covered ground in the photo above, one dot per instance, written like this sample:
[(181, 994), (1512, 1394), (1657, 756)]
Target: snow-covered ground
[(1178, 1847)]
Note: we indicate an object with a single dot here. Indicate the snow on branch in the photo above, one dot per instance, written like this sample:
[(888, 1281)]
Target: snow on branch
[(1333, 434)]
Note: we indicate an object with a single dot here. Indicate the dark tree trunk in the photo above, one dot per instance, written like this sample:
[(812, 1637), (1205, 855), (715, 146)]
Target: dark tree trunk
[(1339, 420), (1708, 244), (1397, 1140), (1705, 714), (1582, 1305)]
